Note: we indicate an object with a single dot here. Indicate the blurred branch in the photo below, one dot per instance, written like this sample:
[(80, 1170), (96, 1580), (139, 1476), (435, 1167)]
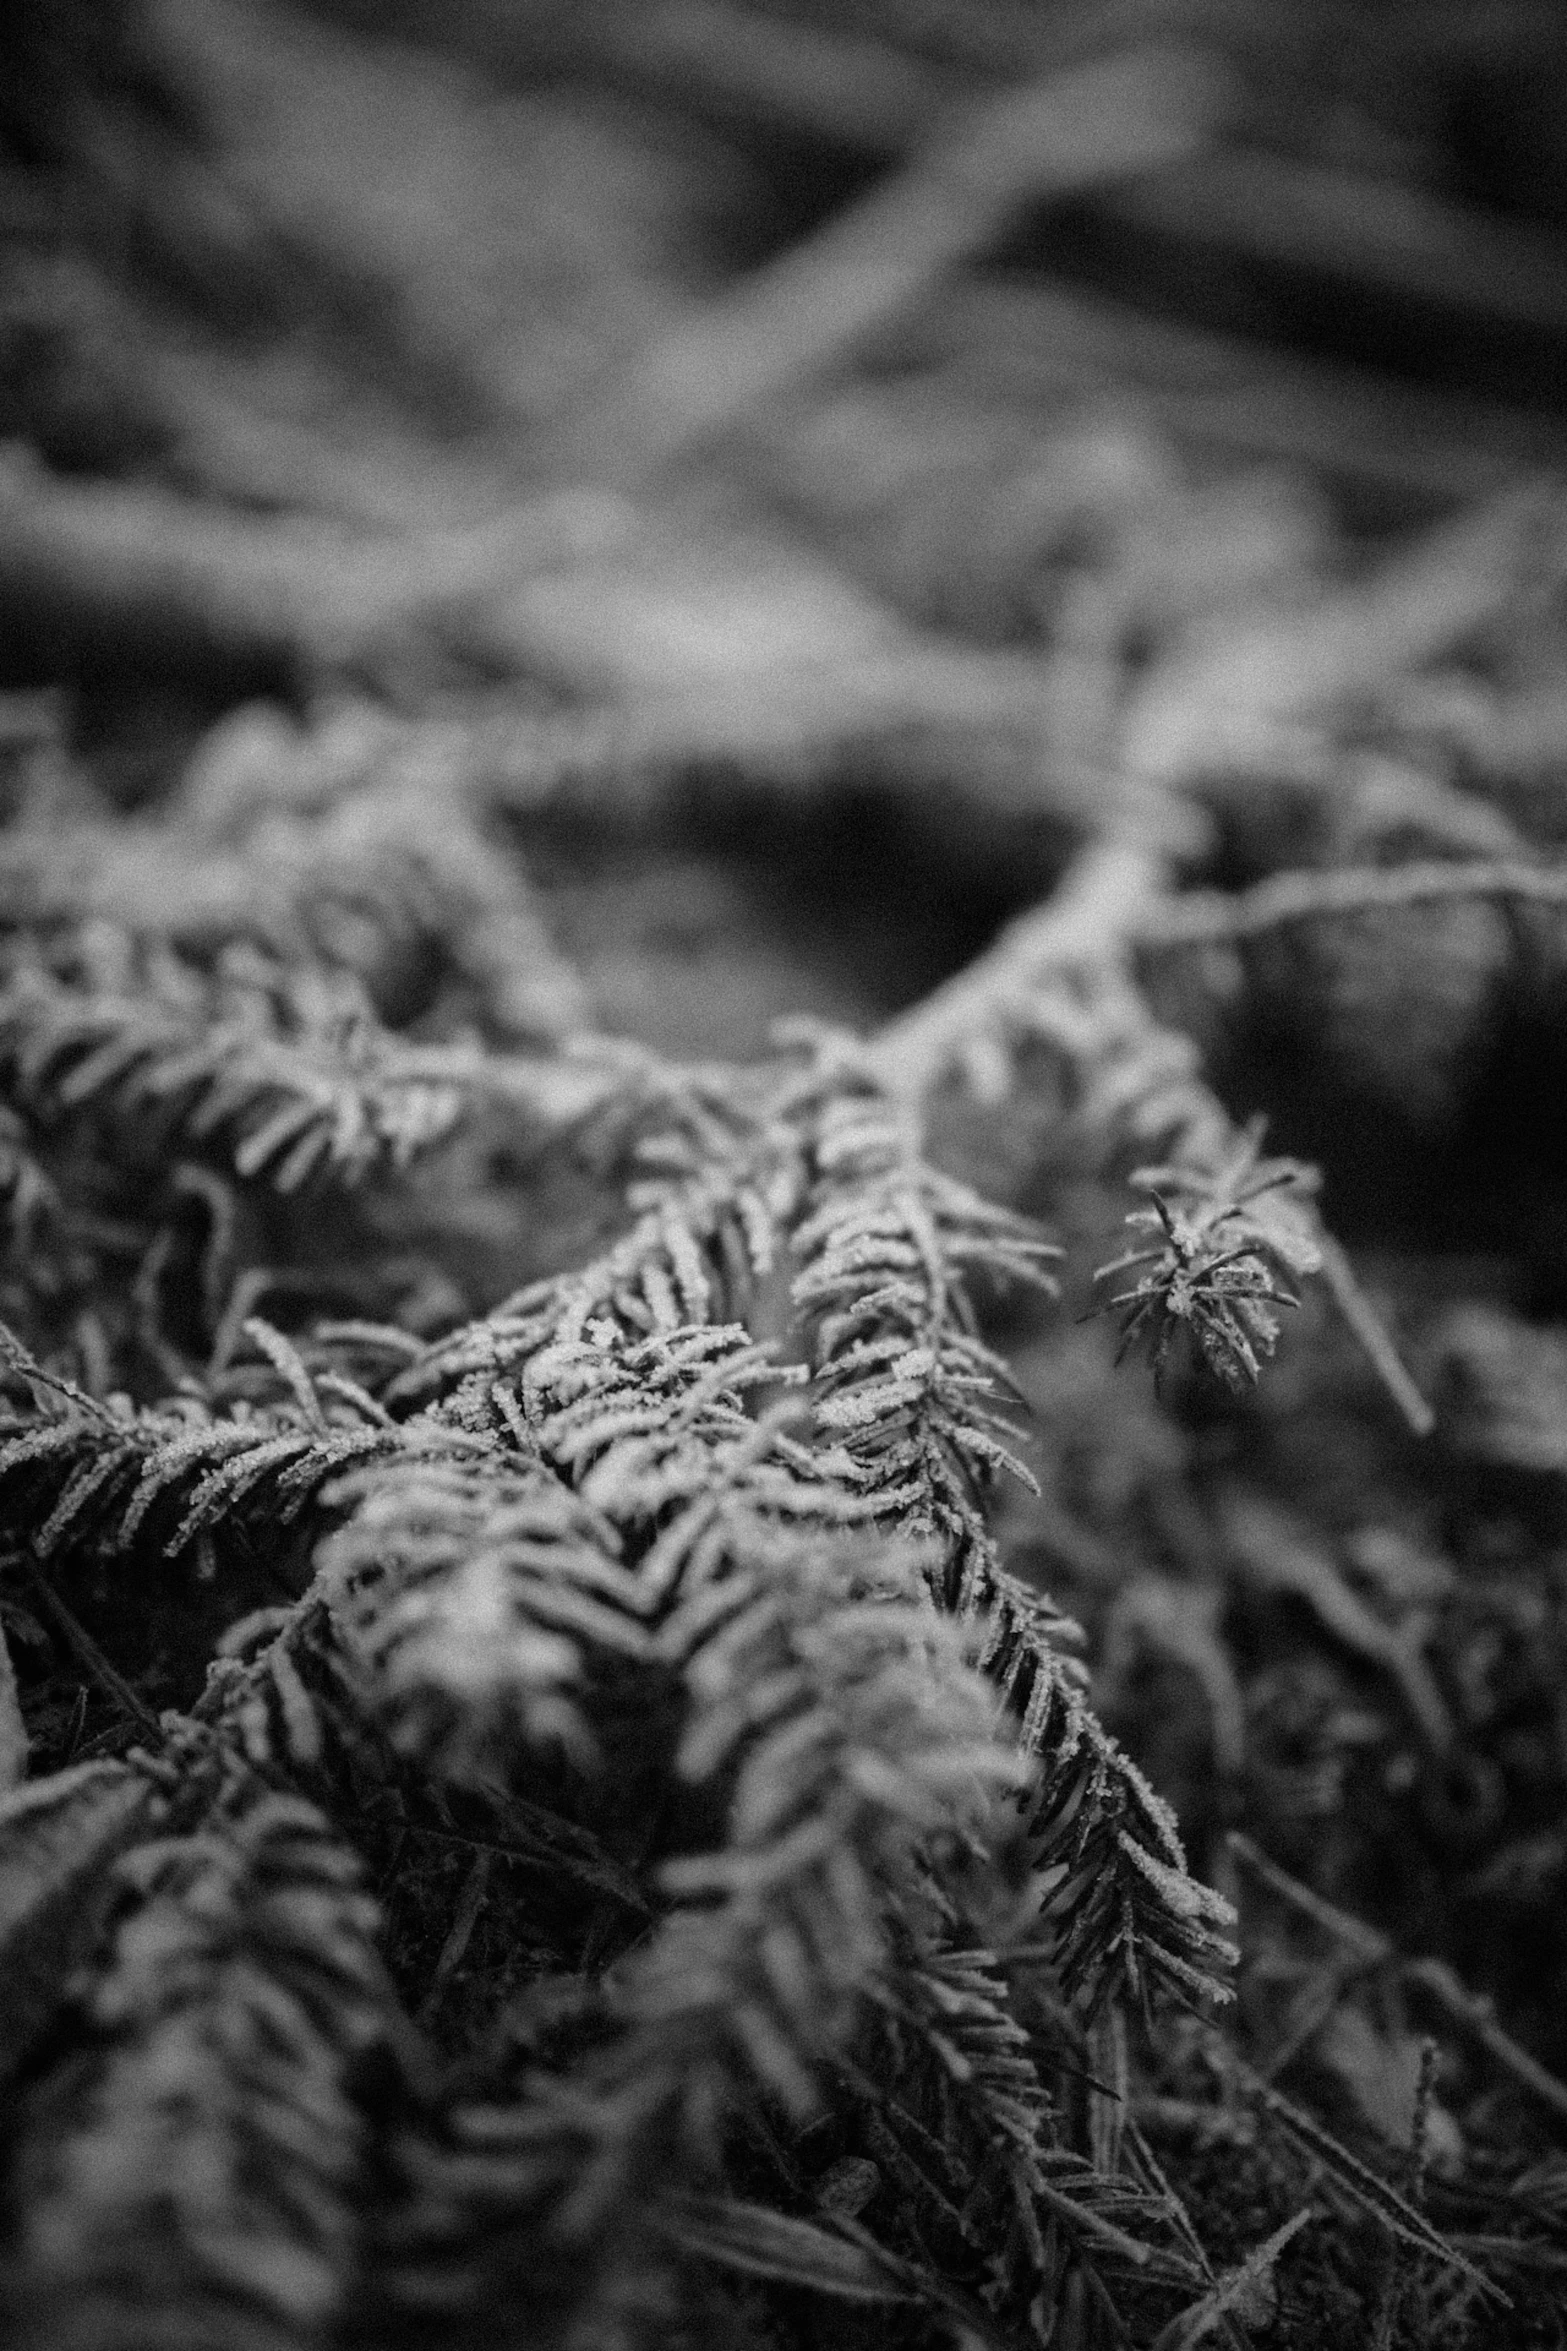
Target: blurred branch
[(1362, 1319), (1072, 131), (1204, 707), (989, 711), (230, 446), (1200, 917), (862, 84), (1345, 224), (658, 679), (731, 62), (880, 76), (1202, 702), (1025, 343), (699, 54), (147, 568), (749, 653)]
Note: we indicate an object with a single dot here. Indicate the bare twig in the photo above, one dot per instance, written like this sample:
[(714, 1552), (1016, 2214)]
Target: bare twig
[(1280, 1553), (149, 568), (1074, 130), (1036, 341), (1466, 2009), (1202, 917), (1378, 232), (106, 1674), (469, 1903), (1370, 1331)]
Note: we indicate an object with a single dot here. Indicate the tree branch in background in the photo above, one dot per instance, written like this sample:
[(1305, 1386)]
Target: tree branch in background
[(1104, 122)]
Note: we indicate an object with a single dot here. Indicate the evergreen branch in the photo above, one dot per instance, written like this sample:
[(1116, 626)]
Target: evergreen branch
[(853, 1739), (1061, 975), (903, 1397), (89, 1475), (901, 1383), (257, 1707), (465, 1591), (991, 2109), (656, 1434), (887, 1249), (800, 1664), (204, 2181), (391, 868), (1101, 901), (288, 1070), (59, 1837), (901, 1386), (722, 1180), (974, 2141), (750, 1844), (832, 1723)]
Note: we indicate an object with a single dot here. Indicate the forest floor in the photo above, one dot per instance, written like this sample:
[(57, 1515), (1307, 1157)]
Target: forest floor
[(1031, 540)]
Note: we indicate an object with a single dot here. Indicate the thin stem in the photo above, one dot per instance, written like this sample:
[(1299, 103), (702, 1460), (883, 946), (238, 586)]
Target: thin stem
[(469, 1903), (1473, 2014), (1378, 1347), (1207, 917), (108, 1676), (1102, 902)]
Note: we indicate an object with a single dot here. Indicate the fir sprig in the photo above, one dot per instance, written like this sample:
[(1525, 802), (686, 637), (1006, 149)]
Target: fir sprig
[(202, 2178), (94, 1474), (286, 1068), (890, 1250), (465, 1589), (1215, 1259), (850, 1745), (339, 854)]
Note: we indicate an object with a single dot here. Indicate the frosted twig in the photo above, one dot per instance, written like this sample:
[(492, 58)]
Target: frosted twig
[(1203, 917), (1100, 904)]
